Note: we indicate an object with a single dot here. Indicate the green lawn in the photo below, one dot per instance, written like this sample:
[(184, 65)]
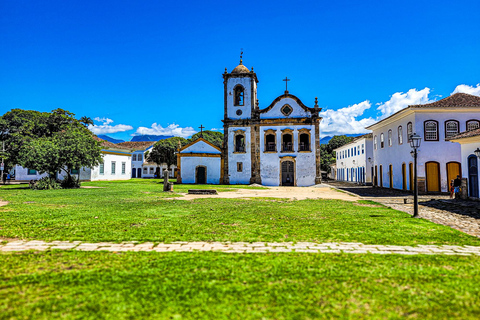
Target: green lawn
[(208, 285), (136, 210)]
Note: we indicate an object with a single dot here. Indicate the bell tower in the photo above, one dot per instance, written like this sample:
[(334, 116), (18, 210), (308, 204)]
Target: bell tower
[(240, 92)]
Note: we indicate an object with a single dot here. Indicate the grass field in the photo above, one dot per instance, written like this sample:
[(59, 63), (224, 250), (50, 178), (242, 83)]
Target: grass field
[(137, 211), (213, 285), (207, 285)]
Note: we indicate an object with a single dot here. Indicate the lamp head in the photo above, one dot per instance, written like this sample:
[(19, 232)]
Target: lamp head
[(477, 152), (415, 141)]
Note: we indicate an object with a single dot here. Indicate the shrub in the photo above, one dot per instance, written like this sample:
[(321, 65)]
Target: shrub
[(70, 182), (46, 183)]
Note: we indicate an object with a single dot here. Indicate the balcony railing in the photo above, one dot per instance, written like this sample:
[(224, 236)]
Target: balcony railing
[(240, 148), (287, 146), (304, 147), (270, 146)]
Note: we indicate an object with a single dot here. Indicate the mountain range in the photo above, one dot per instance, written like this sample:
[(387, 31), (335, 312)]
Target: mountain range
[(325, 139)]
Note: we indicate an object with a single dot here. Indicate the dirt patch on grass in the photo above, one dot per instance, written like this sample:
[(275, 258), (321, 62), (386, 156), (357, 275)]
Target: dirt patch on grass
[(91, 187), (291, 193), (3, 203)]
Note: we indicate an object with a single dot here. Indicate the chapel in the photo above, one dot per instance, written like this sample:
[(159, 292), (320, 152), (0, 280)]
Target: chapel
[(275, 146)]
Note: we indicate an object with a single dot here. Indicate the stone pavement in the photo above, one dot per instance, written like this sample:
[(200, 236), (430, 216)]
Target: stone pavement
[(242, 247), (457, 214)]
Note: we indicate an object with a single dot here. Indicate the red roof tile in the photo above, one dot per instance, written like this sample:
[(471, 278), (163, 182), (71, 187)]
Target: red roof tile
[(466, 134), (108, 144), (455, 100)]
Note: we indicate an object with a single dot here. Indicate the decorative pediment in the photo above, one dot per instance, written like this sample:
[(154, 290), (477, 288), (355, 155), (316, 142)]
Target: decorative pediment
[(200, 146), (286, 106)]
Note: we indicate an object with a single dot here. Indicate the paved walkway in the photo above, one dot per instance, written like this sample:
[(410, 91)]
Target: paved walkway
[(458, 214), (242, 247)]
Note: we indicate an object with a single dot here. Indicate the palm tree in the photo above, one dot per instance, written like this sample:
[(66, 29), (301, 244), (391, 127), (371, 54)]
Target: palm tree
[(86, 121)]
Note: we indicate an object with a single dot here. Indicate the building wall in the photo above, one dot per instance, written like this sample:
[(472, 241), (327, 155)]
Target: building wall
[(438, 151), (468, 150), (245, 158), (21, 174), (189, 165), (356, 164), (305, 167)]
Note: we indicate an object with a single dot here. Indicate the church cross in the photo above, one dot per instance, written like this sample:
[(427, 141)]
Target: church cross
[(286, 84), (201, 130)]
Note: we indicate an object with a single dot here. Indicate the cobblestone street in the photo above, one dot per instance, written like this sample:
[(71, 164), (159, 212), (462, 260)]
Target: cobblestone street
[(459, 214), (242, 247)]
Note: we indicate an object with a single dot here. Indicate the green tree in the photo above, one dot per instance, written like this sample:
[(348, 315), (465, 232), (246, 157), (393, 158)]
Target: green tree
[(163, 151), (214, 137), (48, 141), (327, 155)]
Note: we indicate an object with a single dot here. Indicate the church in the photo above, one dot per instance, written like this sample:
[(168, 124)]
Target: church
[(275, 146)]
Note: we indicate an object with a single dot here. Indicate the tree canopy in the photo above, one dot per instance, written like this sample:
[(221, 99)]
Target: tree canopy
[(163, 151), (214, 137), (48, 141), (327, 156)]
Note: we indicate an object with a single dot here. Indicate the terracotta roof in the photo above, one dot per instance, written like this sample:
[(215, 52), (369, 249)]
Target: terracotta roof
[(137, 145), (366, 136), (455, 100), (108, 144), (466, 134)]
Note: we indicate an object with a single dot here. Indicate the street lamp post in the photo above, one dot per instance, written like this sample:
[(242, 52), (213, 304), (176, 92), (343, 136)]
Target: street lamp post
[(415, 144)]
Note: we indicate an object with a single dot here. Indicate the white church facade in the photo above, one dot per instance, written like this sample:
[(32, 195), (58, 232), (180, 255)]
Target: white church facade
[(275, 146)]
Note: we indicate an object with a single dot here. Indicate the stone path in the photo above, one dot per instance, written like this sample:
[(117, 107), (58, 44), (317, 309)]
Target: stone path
[(242, 247), (457, 214)]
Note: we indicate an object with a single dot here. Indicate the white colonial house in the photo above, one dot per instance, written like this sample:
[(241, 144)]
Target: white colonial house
[(140, 167), (439, 160), (470, 151), (275, 146), (199, 162), (116, 166), (354, 160)]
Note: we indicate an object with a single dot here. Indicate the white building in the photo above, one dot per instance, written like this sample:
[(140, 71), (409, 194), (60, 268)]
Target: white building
[(199, 162), (438, 160), (354, 160), (116, 166), (140, 167), (278, 145), (469, 142)]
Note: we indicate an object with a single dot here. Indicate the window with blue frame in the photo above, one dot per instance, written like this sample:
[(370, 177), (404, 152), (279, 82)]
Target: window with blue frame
[(31, 172)]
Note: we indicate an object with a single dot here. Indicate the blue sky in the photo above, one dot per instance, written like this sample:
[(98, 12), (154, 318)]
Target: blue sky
[(156, 66)]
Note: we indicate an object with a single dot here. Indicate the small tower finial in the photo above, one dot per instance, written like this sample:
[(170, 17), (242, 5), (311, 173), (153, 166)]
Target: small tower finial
[(316, 102), (241, 55), (226, 70)]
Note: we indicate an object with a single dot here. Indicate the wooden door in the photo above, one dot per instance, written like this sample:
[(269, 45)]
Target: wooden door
[(410, 167), (201, 177), (376, 176), (433, 176), (453, 170), (381, 176), (288, 174), (390, 175), (404, 176), (473, 176)]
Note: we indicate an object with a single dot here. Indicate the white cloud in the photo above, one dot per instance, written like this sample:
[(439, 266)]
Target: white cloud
[(344, 120), (105, 126), (400, 100), (171, 130), (463, 88), (216, 129), (103, 120)]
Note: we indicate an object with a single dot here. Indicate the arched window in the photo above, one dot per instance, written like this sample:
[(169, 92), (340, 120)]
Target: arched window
[(473, 124), (451, 128), (375, 142), (240, 142), (270, 140), (390, 137), (382, 141), (287, 140), (400, 135), (409, 131), (238, 95), (431, 130)]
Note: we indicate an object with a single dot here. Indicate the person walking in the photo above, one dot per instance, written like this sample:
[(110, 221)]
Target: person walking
[(457, 183)]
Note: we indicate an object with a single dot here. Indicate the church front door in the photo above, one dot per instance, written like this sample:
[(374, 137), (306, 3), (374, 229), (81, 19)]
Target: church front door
[(288, 174), (201, 177)]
